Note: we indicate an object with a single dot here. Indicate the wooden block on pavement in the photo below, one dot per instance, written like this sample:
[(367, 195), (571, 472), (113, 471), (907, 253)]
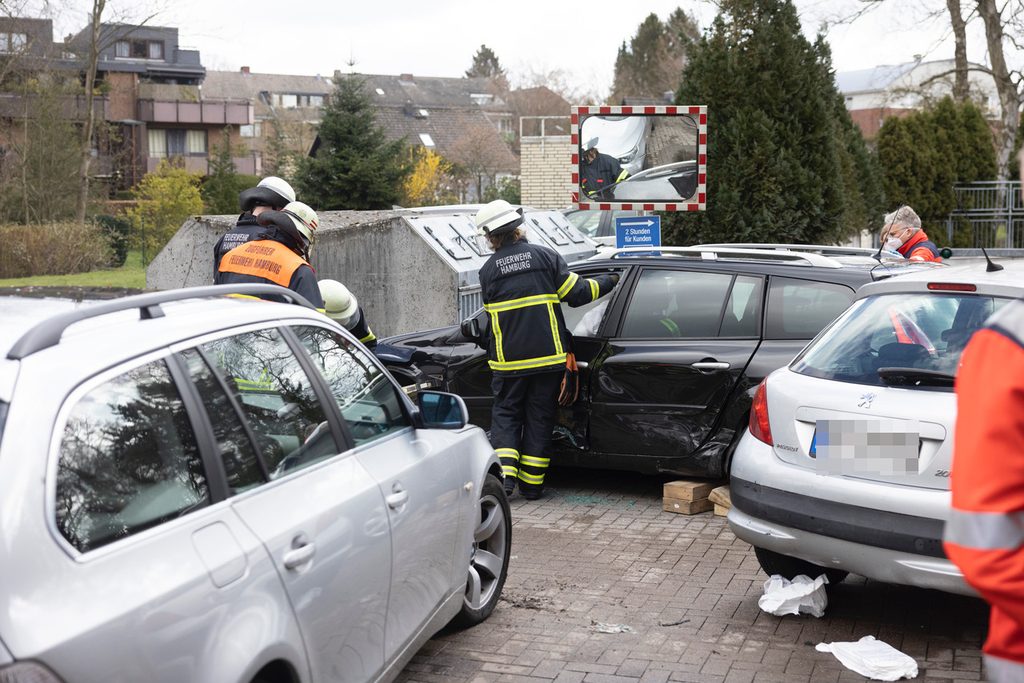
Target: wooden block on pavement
[(720, 496), (684, 489), (686, 507), (721, 510)]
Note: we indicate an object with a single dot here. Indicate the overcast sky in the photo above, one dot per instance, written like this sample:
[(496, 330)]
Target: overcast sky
[(439, 37)]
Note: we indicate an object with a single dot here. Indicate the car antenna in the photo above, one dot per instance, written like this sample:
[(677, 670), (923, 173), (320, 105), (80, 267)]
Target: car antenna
[(881, 244), (991, 267)]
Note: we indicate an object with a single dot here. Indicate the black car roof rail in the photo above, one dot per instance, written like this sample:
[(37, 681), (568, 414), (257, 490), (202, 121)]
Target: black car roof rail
[(713, 253), (48, 332)]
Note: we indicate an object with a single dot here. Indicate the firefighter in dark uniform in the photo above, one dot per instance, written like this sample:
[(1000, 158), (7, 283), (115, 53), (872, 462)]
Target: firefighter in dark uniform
[(272, 194), (278, 254), (598, 171), (341, 306), (522, 286)]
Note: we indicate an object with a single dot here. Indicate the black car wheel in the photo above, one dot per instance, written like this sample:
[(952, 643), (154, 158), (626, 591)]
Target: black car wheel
[(788, 567), (488, 562)]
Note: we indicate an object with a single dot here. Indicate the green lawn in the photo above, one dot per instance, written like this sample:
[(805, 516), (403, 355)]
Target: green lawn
[(132, 275)]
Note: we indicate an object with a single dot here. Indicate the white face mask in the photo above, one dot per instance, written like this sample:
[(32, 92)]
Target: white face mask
[(893, 243)]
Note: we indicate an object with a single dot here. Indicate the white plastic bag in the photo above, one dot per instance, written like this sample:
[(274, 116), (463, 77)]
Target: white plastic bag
[(872, 658), (802, 595)]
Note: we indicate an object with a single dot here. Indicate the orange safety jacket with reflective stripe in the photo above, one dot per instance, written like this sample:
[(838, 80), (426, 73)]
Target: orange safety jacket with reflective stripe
[(984, 535), (920, 248), (263, 258)]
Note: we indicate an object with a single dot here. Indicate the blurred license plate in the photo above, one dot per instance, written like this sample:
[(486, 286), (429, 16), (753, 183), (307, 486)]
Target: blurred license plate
[(866, 447)]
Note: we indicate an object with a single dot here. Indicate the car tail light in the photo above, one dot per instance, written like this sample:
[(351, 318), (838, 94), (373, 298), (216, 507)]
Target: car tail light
[(759, 426), (952, 287), (27, 672)]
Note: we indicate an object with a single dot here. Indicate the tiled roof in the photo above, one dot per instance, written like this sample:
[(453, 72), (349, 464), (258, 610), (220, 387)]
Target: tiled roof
[(451, 130)]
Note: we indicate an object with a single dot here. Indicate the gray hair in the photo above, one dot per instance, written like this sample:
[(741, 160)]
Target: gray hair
[(902, 216)]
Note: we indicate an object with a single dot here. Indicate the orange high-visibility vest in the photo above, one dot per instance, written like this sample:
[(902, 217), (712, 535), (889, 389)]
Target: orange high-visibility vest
[(984, 535), (267, 259)]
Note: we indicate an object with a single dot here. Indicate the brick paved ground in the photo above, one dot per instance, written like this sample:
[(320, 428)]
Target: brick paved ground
[(599, 550)]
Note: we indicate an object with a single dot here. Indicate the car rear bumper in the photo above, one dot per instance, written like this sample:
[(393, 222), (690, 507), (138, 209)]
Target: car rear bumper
[(881, 531), (881, 564)]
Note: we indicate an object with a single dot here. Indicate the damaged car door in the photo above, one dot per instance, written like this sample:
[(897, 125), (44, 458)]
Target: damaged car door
[(660, 383)]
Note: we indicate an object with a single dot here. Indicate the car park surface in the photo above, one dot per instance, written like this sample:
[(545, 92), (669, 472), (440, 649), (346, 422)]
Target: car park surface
[(670, 358), (599, 552), (846, 465), (195, 487)]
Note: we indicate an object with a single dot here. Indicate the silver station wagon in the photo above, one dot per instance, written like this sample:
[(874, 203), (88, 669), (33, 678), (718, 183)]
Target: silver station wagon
[(196, 487)]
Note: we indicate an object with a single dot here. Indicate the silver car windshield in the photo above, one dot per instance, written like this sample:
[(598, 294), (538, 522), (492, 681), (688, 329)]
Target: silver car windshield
[(910, 335)]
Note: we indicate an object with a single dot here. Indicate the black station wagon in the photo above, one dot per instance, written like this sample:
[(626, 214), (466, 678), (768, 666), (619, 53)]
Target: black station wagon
[(670, 359)]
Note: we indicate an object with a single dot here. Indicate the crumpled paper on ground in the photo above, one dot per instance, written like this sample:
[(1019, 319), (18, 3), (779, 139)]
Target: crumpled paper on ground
[(609, 628), (872, 658), (802, 595)]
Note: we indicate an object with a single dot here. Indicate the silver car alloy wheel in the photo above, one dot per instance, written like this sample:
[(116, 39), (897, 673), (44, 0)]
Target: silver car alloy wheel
[(488, 556)]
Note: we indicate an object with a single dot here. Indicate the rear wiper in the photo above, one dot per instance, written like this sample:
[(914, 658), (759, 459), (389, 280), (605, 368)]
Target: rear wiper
[(915, 377)]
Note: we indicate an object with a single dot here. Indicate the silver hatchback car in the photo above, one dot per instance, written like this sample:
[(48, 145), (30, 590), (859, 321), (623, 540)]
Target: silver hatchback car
[(846, 464), (195, 487)]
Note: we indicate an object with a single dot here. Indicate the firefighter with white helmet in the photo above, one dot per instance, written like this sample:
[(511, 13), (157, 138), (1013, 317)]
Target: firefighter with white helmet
[(279, 253), (598, 171), (342, 306), (271, 194), (522, 285)]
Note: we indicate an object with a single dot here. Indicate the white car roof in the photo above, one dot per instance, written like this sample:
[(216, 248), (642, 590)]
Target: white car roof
[(1006, 282)]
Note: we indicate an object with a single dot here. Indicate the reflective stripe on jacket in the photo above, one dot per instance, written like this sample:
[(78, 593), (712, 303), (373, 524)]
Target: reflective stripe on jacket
[(984, 535), (522, 286)]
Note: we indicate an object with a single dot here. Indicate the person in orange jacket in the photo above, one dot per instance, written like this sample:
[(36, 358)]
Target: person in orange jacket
[(903, 234), (984, 534)]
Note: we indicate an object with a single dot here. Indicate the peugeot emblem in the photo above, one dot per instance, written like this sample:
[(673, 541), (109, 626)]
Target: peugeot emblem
[(865, 400)]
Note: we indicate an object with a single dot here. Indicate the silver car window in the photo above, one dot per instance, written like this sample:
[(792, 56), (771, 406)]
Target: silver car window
[(236, 450), (368, 400), (277, 397), (128, 460), (915, 331)]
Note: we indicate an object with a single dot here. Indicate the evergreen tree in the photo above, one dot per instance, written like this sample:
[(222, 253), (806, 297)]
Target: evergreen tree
[(783, 162), (653, 61), (220, 190), (924, 154), (486, 65), (356, 166)]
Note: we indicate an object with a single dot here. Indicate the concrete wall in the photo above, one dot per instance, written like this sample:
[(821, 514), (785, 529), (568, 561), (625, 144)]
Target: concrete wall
[(546, 172), (401, 284)]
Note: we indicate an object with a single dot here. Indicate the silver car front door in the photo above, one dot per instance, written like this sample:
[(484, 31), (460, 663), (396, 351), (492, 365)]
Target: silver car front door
[(321, 515), (420, 474)]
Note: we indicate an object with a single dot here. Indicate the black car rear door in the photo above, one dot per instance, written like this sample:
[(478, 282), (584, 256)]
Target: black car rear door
[(684, 337)]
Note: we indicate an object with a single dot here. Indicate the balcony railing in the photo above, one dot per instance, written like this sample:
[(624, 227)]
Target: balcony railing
[(209, 112), (71, 107)]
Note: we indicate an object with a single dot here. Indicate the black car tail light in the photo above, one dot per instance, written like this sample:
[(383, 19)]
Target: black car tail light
[(759, 426)]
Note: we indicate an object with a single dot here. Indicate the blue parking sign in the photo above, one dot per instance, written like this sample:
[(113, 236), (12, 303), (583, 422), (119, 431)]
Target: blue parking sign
[(637, 231)]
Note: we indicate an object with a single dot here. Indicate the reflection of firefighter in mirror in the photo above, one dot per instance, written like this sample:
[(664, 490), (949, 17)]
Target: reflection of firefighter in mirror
[(598, 171)]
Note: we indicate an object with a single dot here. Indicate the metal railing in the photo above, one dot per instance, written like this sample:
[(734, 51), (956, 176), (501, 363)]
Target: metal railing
[(992, 211)]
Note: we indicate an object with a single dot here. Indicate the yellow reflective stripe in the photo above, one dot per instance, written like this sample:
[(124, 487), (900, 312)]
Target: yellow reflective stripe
[(671, 326), (322, 310), (523, 302), (510, 470), (531, 478), (569, 283), (507, 453), (496, 328), (528, 363), (595, 290), (623, 175), (368, 338), (243, 296), (535, 461), (554, 329)]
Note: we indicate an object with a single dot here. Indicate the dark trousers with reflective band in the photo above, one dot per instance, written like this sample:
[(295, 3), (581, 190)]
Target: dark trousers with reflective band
[(524, 413)]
